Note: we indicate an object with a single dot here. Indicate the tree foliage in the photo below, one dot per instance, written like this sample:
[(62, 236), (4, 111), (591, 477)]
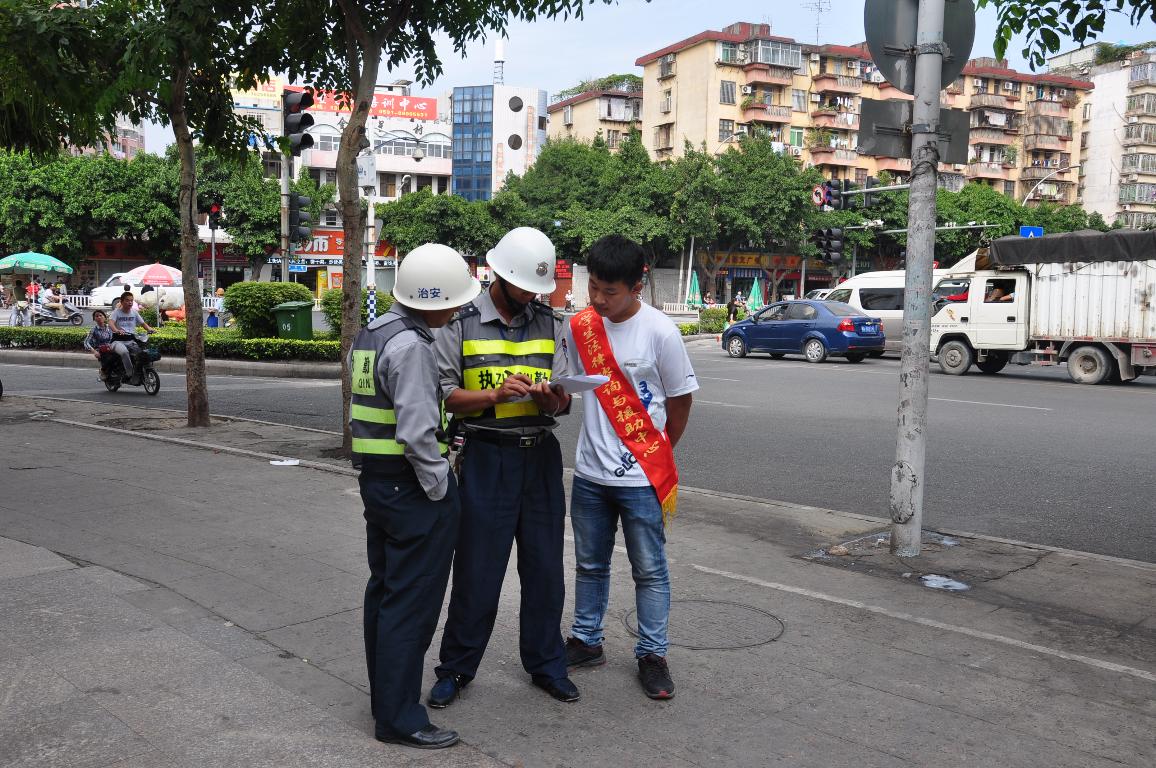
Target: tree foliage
[(627, 82), (1047, 24)]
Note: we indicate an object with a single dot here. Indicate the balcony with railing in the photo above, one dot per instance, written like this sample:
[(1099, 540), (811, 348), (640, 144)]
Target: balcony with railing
[(837, 121), (987, 170), (1140, 134), (1141, 104), (1053, 172), (834, 156), (1045, 142), (983, 100), (893, 164), (1049, 108), (766, 74), (1142, 74), (758, 112), (828, 82), (990, 136)]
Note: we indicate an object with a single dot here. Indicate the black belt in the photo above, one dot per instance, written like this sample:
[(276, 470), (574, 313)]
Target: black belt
[(512, 439)]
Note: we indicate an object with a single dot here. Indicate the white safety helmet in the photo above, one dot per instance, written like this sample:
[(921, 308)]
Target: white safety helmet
[(434, 276), (524, 257)]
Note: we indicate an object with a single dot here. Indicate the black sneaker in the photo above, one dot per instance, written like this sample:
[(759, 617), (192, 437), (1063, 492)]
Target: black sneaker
[(579, 654), (655, 677)]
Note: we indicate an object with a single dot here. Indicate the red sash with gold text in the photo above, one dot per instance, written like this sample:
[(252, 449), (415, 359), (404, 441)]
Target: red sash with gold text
[(627, 415)]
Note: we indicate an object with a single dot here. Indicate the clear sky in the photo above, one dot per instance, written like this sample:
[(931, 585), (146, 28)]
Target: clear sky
[(553, 55)]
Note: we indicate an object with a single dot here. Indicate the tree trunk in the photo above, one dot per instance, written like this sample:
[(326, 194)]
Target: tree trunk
[(198, 395), (353, 217)]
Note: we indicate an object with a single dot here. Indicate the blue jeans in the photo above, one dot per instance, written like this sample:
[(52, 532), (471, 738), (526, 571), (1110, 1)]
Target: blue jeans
[(594, 514)]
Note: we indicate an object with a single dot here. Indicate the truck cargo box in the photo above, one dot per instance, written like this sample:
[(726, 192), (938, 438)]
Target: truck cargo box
[(1108, 300)]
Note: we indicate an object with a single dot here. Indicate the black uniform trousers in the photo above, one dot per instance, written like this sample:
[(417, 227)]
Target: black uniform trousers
[(508, 494), (410, 543)]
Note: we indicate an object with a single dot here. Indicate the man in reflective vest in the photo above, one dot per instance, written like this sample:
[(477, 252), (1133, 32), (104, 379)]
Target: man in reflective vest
[(410, 496), (496, 359)]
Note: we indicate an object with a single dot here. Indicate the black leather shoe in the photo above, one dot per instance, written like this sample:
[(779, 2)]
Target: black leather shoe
[(561, 689), (445, 691), (430, 737)]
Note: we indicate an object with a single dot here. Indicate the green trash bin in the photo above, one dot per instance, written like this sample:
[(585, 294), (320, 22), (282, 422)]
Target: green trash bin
[(294, 320)]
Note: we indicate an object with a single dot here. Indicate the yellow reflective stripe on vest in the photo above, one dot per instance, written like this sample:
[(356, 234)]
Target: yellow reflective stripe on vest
[(380, 447), (472, 347), (488, 377), (509, 410), (372, 415)]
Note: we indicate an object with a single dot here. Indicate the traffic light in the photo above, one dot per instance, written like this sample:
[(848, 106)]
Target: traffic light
[(299, 219), (834, 194), (848, 201), (296, 120), (869, 200), (833, 245), (215, 210)]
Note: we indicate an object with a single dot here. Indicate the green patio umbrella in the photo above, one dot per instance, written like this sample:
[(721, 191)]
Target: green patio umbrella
[(33, 262), (693, 294), (755, 300)]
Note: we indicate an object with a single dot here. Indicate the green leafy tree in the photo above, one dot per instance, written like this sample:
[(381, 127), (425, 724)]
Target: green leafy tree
[(608, 83), (423, 217), (1048, 23)]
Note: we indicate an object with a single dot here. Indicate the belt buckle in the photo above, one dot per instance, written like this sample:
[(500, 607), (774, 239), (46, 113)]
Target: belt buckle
[(527, 441)]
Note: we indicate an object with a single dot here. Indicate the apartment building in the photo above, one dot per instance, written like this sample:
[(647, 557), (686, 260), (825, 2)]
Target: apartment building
[(717, 85), (612, 114), (1118, 179)]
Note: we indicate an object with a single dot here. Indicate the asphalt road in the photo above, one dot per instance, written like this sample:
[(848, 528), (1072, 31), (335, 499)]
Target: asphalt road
[(1024, 455)]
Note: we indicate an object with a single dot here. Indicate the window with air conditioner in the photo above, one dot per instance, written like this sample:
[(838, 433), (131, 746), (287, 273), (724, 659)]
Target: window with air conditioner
[(666, 66), (726, 92), (747, 90), (568, 114), (726, 129), (667, 103), (728, 53)]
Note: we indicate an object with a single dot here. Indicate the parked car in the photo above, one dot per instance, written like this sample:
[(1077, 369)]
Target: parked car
[(818, 294), (110, 290), (814, 329)]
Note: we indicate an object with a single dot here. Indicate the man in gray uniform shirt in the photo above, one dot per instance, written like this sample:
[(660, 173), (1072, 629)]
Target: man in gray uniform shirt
[(410, 496)]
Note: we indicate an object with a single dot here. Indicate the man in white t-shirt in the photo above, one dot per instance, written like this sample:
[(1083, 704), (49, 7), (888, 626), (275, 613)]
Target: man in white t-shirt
[(610, 485)]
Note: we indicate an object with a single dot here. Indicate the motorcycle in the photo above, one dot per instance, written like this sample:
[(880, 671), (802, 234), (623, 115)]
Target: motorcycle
[(42, 314), (19, 317), (143, 357)]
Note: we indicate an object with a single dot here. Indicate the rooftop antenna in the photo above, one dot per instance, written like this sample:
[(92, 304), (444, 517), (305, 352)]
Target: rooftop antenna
[(500, 61), (819, 7)]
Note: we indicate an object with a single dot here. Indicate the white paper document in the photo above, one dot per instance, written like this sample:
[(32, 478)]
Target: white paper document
[(574, 384)]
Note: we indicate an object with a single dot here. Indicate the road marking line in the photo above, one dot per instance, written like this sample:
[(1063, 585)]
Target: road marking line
[(724, 405), (717, 378), (997, 405), (934, 624)]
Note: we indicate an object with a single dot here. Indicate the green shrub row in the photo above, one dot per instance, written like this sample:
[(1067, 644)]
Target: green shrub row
[(331, 307), (224, 344), (252, 305)]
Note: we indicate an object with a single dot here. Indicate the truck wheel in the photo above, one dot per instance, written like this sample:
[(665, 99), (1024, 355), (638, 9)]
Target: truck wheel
[(1089, 365), (994, 364), (955, 357)]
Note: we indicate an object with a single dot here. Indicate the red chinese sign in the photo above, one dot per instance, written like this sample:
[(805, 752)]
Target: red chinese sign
[(384, 104)]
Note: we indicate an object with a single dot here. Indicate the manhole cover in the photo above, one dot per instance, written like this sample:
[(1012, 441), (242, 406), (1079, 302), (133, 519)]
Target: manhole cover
[(710, 625)]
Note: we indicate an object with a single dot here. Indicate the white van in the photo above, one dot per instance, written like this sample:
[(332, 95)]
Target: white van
[(880, 294)]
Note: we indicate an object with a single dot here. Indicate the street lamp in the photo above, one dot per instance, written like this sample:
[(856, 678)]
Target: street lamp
[(1045, 178)]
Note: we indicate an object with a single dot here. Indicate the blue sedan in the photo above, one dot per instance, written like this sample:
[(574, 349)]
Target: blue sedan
[(814, 329)]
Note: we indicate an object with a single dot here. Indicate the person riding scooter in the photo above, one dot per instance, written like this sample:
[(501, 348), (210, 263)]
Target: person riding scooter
[(100, 342), (125, 321), (48, 299)]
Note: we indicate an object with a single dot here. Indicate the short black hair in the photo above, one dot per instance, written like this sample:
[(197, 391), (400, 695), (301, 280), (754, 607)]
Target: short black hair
[(100, 312), (616, 259)]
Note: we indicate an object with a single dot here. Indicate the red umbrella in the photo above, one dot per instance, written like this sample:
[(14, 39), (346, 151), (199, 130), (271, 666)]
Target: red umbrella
[(152, 274)]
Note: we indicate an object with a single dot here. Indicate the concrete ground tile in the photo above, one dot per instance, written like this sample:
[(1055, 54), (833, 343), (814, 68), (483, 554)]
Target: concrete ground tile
[(114, 582), (1110, 643), (73, 734), (18, 559), (152, 759), (321, 639), (166, 605), (27, 683), (129, 659), (225, 638), (51, 627), (329, 693), (927, 735), (351, 669)]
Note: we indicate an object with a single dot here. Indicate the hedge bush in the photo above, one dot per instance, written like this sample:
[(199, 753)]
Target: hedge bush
[(712, 320), (221, 344), (252, 305), (688, 329), (331, 307)]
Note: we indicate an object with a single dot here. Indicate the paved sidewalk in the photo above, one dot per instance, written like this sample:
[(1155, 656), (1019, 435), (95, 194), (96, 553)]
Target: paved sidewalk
[(203, 609)]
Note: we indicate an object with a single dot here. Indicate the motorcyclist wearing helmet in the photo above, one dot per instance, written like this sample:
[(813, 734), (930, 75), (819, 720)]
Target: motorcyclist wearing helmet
[(410, 495), (496, 359)]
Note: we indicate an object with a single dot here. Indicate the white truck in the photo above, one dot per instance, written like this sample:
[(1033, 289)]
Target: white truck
[(1085, 298)]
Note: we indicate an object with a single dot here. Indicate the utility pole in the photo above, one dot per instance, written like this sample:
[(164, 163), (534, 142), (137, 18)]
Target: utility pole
[(907, 474), (286, 159)]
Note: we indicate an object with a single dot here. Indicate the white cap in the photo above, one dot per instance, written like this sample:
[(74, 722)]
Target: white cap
[(525, 258), (434, 276)]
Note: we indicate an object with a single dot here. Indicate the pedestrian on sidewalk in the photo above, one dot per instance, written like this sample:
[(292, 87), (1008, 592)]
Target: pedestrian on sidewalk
[(410, 496), (496, 360), (625, 471)]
